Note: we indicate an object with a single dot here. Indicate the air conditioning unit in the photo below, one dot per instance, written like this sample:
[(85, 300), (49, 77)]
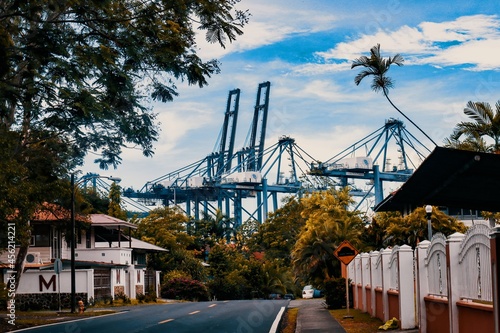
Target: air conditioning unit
[(33, 257)]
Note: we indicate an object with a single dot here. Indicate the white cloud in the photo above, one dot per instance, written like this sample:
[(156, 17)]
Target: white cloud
[(270, 23), (432, 43)]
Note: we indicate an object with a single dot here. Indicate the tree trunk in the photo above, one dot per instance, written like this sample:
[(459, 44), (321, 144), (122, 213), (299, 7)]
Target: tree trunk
[(24, 244), (394, 106)]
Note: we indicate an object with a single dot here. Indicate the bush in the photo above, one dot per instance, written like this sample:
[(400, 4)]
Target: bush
[(185, 289), (147, 298), (335, 293), (123, 297)]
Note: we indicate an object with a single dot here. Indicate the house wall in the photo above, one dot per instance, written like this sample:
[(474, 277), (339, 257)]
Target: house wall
[(46, 290), (113, 255)]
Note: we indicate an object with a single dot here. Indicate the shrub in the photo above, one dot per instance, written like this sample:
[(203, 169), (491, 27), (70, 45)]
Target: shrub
[(185, 289), (335, 293), (123, 297)]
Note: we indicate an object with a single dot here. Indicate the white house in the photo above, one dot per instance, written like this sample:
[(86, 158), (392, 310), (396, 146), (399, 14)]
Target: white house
[(108, 262)]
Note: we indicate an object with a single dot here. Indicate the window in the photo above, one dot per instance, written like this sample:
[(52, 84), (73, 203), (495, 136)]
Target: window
[(41, 232)]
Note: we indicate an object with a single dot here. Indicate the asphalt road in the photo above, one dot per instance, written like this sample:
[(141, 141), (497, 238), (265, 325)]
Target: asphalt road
[(252, 316)]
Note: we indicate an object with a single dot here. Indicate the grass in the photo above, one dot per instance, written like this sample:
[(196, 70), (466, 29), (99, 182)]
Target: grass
[(361, 322), (289, 320)]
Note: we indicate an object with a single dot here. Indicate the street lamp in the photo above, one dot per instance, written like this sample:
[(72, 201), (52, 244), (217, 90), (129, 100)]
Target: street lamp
[(72, 235), (428, 211)]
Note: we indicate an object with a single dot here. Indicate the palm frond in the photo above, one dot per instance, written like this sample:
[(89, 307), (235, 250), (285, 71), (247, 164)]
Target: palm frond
[(361, 61), (361, 75), (480, 112), (396, 60)]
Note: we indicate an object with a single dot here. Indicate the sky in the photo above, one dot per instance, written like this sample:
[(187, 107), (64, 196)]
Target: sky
[(451, 52)]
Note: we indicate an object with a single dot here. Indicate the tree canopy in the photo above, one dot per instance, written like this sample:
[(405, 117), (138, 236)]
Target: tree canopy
[(83, 71), (78, 76), (328, 223), (470, 135)]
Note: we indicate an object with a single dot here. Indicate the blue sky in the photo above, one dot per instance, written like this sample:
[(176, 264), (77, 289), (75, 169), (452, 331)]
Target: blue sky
[(305, 49)]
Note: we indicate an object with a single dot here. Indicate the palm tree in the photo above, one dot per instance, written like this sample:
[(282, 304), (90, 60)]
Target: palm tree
[(486, 123), (377, 67), (328, 224)]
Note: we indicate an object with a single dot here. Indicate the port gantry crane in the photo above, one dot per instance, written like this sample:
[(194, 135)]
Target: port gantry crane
[(223, 179), (374, 164)]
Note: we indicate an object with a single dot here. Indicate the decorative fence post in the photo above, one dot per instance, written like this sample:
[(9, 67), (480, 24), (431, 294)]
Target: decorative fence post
[(495, 272), (373, 281), (423, 283), (356, 275), (452, 256), (406, 287), (386, 281), (365, 279)]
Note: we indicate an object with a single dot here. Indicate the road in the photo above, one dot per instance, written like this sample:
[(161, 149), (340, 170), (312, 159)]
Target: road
[(250, 316)]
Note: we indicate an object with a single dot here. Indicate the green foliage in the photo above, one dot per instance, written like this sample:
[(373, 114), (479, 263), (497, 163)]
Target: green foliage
[(211, 230), (335, 293), (165, 227), (234, 275), (278, 235), (32, 173), (93, 201), (150, 297), (185, 289), (114, 208), (77, 76), (328, 224), (77, 68), (391, 229), (471, 135), (121, 296), (182, 261)]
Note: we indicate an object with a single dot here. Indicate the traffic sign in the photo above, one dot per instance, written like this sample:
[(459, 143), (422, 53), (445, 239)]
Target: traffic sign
[(345, 252)]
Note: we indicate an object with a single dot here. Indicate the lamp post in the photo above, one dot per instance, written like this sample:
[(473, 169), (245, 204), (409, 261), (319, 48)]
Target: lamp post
[(73, 234), (428, 211)]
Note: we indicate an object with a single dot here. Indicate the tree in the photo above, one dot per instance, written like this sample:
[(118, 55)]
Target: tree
[(278, 235), (165, 227), (77, 76), (84, 70), (412, 228), (328, 224), (29, 179), (486, 123), (377, 67), (211, 229), (114, 208)]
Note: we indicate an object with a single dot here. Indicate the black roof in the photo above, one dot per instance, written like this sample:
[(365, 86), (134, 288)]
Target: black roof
[(450, 178)]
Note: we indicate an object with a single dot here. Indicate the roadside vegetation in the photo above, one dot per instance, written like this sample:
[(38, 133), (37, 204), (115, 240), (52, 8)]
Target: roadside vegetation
[(361, 322), (212, 259), (76, 92)]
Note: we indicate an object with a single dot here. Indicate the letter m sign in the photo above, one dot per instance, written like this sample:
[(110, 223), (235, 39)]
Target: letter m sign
[(42, 282)]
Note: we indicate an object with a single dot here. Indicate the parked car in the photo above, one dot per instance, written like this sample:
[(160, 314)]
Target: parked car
[(289, 296), (274, 296), (308, 292)]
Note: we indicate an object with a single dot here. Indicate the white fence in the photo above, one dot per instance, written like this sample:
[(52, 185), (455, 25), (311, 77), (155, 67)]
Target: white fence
[(445, 285)]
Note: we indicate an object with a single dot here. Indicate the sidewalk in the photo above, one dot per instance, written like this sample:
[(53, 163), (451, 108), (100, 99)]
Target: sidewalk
[(314, 318)]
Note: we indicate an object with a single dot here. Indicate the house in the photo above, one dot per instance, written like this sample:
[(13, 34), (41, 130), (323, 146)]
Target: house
[(108, 261)]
